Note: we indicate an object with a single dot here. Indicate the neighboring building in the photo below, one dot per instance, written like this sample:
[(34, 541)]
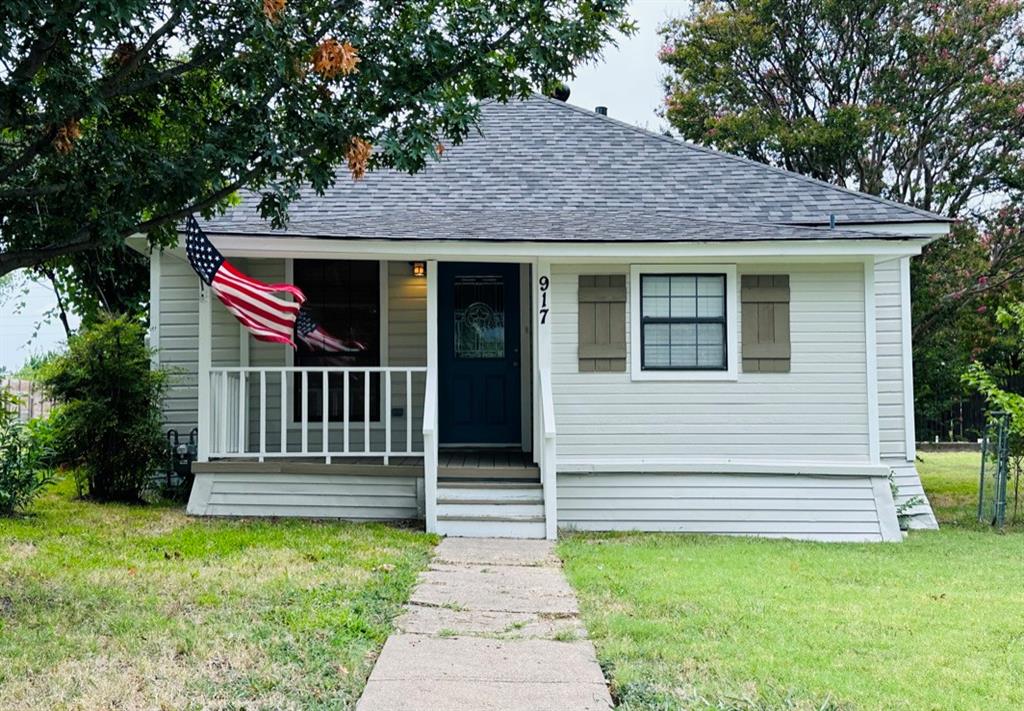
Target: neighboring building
[(570, 322)]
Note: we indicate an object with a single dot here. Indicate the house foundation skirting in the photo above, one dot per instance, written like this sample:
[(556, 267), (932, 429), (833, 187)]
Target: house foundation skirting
[(834, 507)]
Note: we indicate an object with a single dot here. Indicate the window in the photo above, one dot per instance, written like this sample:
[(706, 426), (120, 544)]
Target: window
[(683, 322), (344, 299), (479, 317)]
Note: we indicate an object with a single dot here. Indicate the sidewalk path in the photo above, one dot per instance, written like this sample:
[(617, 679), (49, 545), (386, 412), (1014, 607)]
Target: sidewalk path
[(492, 624)]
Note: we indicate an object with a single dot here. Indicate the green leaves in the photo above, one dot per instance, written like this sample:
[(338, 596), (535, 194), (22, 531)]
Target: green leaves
[(181, 103), (913, 100)]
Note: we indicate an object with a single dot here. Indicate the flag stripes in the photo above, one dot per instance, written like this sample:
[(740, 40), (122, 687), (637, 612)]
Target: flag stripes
[(252, 302)]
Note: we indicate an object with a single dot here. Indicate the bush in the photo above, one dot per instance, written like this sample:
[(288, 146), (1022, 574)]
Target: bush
[(106, 426), (22, 470)]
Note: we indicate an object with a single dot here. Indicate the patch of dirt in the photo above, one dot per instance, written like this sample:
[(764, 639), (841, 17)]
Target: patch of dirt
[(160, 679), (20, 550)]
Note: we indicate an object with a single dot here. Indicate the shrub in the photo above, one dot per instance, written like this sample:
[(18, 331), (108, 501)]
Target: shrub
[(22, 471), (107, 423)]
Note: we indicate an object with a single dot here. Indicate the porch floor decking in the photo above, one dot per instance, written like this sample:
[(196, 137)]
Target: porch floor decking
[(453, 464)]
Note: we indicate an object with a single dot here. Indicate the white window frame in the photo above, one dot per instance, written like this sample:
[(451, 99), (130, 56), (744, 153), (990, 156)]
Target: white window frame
[(731, 322)]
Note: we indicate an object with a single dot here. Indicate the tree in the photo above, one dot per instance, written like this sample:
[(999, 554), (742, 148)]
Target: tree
[(917, 101), (123, 116)]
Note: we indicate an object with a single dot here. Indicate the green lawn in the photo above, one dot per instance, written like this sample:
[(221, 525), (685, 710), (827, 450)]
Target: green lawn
[(692, 622), (951, 480), (107, 606)]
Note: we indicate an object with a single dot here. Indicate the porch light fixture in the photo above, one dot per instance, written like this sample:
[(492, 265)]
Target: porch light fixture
[(419, 269)]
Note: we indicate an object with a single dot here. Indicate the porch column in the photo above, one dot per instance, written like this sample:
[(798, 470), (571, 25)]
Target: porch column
[(543, 314), (430, 417), (203, 374)]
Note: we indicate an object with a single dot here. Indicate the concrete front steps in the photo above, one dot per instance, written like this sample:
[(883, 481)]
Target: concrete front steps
[(490, 509)]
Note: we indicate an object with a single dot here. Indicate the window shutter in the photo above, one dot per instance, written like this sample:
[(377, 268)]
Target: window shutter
[(602, 323), (765, 305)]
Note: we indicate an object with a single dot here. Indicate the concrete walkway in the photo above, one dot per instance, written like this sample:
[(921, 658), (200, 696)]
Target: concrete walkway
[(491, 625)]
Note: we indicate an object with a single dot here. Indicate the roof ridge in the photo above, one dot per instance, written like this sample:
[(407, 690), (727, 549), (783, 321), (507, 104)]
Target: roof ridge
[(680, 143)]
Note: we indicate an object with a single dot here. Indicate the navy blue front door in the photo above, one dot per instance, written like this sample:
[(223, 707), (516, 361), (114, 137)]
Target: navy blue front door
[(478, 353)]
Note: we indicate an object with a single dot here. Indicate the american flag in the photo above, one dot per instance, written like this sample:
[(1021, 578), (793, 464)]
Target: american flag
[(268, 317), (313, 335)]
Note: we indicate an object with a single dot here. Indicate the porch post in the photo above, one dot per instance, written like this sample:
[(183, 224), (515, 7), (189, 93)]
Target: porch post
[(430, 417), (203, 374), (544, 311)]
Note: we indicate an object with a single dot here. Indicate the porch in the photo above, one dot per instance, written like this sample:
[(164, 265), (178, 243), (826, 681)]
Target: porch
[(387, 440)]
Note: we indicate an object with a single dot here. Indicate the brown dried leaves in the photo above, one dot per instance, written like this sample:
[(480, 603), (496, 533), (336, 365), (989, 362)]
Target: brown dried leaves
[(332, 58)]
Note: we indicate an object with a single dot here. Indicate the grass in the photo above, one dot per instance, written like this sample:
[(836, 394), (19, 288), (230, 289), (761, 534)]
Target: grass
[(109, 606), (702, 622), (951, 480)]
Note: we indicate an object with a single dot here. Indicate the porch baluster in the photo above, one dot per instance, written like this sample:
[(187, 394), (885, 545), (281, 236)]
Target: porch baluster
[(386, 413), (408, 412), (366, 412), (344, 410), (283, 408), (222, 415), (325, 418), (241, 411), (305, 412), (263, 415)]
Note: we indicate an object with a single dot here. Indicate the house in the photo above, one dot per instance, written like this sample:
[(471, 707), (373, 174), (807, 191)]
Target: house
[(568, 322)]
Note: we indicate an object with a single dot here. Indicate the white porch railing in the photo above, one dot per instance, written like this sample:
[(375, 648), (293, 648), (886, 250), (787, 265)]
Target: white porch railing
[(329, 412)]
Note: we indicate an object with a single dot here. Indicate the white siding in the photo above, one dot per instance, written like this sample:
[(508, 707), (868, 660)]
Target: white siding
[(350, 497), (816, 412), (822, 508), (892, 406), (179, 337), (407, 345)]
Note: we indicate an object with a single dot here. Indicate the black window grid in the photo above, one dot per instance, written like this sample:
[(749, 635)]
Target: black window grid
[(721, 320)]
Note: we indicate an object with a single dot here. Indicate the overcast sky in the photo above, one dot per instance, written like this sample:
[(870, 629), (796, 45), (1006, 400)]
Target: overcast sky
[(627, 80)]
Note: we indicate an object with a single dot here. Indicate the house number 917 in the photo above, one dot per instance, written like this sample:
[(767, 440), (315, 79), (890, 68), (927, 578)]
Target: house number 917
[(544, 283)]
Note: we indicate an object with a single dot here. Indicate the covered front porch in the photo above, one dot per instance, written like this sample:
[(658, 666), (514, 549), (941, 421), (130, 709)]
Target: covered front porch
[(447, 416)]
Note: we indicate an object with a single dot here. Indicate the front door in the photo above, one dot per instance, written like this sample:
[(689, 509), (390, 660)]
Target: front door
[(478, 354)]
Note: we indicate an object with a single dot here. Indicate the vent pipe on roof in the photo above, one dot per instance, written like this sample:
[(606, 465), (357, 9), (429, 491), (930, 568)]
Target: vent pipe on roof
[(603, 110), (832, 221), (560, 92)]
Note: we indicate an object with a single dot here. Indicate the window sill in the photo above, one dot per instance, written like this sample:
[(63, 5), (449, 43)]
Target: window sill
[(684, 375)]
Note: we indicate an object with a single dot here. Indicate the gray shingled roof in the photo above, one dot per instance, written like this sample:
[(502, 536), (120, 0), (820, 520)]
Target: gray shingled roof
[(544, 170)]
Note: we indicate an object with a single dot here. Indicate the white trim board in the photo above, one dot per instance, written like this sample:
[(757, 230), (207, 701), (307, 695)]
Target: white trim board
[(582, 251), (906, 326), (871, 359), (655, 465), (154, 307)]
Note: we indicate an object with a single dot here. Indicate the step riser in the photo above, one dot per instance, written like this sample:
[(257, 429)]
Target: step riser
[(490, 509), (491, 529), (465, 493), (525, 475)]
